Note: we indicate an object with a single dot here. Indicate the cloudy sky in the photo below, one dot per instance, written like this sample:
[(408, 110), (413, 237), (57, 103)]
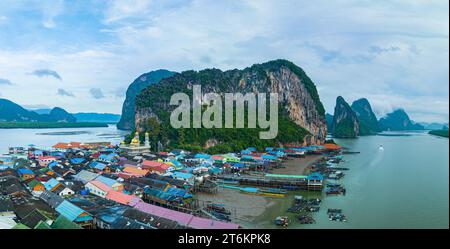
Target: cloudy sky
[(81, 55)]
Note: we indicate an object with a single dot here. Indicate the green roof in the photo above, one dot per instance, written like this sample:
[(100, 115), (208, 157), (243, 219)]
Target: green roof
[(286, 176), (20, 226), (42, 225), (33, 183), (63, 223)]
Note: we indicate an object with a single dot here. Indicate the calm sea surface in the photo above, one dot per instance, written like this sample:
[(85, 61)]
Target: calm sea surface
[(406, 185), (49, 137)]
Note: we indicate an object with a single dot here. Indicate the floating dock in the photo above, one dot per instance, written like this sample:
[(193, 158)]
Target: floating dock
[(290, 182)]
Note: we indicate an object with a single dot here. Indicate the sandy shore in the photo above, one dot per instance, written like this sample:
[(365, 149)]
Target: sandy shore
[(297, 166), (247, 209)]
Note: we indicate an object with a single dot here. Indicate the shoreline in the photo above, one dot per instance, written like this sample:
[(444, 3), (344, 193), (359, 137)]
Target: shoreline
[(252, 211)]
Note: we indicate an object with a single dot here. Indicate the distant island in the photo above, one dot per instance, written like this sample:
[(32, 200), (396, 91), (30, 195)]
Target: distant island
[(13, 115), (42, 125), (440, 133)]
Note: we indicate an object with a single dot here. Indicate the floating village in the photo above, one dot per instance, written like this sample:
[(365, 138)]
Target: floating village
[(102, 186)]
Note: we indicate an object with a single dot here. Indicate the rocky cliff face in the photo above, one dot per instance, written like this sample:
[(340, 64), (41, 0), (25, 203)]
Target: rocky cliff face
[(345, 122), (299, 102), (398, 120), (368, 123), (127, 119)]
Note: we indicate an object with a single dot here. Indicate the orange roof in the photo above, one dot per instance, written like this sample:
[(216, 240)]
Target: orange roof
[(330, 146), (67, 145), (135, 171), (119, 197)]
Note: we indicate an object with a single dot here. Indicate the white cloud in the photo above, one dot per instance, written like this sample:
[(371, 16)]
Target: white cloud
[(395, 53)]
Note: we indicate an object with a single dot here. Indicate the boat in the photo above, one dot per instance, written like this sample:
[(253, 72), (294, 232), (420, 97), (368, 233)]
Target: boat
[(306, 219), (332, 210), (273, 190), (282, 221), (220, 208)]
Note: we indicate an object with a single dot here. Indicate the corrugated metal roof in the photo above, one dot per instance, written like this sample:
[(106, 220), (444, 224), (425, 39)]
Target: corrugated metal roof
[(50, 184), (108, 181), (69, 210), (85, 176)]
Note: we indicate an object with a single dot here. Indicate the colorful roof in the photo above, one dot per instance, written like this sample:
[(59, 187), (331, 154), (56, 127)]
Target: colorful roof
[(50, 184), (119, 197), (101, 185), (20, 226), (25, 171), (135, 171), (150, 164), (184, 218), (33, 183), (63, 223), (86, 176), (105, 180), (315, 176), (69, 210), (42, 225), (98, 165), (182, 175), (77, 160)]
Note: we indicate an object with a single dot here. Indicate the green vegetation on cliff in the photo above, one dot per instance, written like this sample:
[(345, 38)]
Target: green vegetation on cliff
[(345, 122), (220, 140), (127, 121), (441, 133), (153, 103), (368, 123)]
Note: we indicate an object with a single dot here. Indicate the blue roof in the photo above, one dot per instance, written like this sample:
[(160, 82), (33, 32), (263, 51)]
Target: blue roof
[(200, 155), (269, 157), (77, 160), (50, 184), (315, 176), (176, 163), (52, 164), (108, 181), (23, 171), (97, 165), (182, 175), (69, 210), (108, 157), (246, 152), (215, 170)]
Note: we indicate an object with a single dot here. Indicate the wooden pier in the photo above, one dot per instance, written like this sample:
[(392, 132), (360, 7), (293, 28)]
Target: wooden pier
[(276, 181)]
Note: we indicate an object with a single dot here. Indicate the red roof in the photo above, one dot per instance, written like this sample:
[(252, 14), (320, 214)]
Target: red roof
[(162, 168), (119, 197), (150, 164), (46, 157)]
